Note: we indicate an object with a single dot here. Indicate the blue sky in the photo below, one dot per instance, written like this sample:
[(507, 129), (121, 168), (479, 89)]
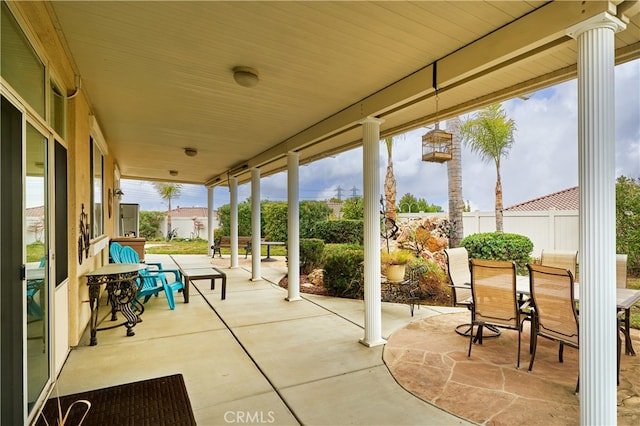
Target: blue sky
[(544, 158)]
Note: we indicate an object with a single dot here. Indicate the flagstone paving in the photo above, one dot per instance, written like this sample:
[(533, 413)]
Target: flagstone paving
[(430, 360)]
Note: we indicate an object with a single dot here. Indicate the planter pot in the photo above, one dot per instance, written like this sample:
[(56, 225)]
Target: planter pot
[(395, 273)]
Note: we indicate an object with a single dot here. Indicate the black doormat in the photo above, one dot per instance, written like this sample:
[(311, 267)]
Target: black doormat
[(153, 402)]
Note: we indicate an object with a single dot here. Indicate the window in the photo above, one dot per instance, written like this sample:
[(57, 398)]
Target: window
[(97, 219), (19, 63)]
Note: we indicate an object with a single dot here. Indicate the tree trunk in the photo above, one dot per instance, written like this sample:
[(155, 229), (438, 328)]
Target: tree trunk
[(390, 183), (169, 219), (498, 200), (454, 172)]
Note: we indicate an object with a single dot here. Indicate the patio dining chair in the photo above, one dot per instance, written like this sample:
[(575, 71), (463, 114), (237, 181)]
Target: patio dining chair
[(565, 259), (459, 275), (624, 315), (460, 282), (495, 303), (554, 312)]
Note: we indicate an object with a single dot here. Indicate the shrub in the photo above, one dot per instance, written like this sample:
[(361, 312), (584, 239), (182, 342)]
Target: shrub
[(500, 246), (311, 250), (150, 224), (340, 231), (628, 221), (433, 282), (343, 270), (274, 220), (396, 257)]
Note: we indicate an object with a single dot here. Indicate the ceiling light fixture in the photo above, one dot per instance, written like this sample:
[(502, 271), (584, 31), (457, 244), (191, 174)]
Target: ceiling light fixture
[(191, 152), (245, 76)]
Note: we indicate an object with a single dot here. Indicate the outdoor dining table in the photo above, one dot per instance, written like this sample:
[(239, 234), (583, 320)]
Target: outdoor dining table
[(269, 244), (625, 299)]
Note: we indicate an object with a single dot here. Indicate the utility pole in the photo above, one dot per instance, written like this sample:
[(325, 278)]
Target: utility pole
[(339, 191)]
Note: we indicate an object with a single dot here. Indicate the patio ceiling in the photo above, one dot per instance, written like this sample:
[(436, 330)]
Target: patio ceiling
[(159, 74)]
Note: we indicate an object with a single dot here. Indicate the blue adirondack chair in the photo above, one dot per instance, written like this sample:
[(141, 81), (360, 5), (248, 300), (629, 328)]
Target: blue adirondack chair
[(114, 252), (33, 286), (153, 282)]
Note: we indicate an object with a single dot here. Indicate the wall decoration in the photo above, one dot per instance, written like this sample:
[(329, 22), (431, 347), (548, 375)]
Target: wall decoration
[(84, 238), (110, 202)]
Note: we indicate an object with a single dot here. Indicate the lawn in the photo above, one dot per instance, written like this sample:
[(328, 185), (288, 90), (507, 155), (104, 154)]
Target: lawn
[(199, 246)]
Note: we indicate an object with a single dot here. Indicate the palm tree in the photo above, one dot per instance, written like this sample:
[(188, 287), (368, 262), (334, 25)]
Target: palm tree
[(489, 133), (168, 191), (454, 174)]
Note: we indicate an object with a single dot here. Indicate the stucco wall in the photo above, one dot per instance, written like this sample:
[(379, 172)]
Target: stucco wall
[(35, 22)]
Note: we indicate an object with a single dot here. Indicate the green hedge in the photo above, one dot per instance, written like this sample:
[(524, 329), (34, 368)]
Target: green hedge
[(340, 231), (311, 250), (343, 270), (500, 246)]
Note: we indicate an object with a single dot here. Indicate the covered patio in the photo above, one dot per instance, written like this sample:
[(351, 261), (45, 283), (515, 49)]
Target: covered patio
[(225, 93)]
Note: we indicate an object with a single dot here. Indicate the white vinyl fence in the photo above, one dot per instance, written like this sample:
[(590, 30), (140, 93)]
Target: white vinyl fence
[(549, 229)]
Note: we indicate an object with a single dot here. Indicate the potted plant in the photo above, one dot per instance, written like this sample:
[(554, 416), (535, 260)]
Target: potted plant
[(395, 263)]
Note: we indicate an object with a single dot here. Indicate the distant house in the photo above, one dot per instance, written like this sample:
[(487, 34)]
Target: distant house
[(567, 199), (34, 217), (190, 222)]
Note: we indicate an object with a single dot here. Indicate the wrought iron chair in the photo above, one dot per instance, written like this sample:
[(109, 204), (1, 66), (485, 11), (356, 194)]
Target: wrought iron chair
[(495, 302)]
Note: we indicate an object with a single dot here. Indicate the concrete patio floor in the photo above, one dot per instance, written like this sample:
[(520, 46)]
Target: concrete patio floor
[(257, 358)]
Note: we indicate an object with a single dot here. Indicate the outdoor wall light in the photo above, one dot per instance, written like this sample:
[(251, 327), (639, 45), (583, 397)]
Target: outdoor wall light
[(245, 76), (191, 152)]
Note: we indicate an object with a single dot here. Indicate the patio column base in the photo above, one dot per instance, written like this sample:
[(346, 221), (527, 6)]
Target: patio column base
[(373, 343), (256, 279), (293, 299)]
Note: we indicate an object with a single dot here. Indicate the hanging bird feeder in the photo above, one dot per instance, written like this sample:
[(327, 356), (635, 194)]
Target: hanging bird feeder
[(436, 144)]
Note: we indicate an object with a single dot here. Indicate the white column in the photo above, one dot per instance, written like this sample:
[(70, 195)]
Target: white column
[(371, 196), (210, 218), (293, 227), (233, 220), (256, 272), (597, 222)]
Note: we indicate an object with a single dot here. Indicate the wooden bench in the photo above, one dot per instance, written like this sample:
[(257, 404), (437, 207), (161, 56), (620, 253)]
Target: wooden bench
[(225, 241)]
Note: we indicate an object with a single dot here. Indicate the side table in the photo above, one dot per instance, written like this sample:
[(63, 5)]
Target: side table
[(120, 280)]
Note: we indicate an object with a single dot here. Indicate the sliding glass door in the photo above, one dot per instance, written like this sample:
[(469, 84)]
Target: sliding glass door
[(35, 218)]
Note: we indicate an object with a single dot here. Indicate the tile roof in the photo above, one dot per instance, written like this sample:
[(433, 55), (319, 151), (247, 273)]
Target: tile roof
[(567, 199), (34, 211)]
